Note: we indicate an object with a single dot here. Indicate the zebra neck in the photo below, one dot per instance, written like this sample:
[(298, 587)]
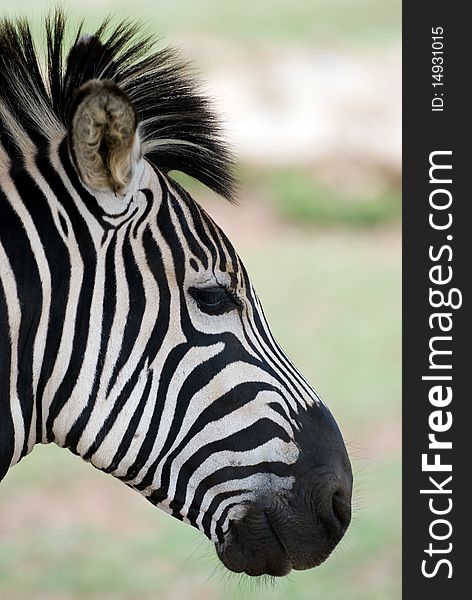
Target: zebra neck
[(20, 347)]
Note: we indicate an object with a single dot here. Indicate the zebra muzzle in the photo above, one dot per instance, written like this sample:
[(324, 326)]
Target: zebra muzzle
[(290, 531), (296, 528)]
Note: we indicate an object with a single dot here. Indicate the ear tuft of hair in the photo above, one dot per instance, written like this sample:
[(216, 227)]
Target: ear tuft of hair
[(177, 127), (102, 135)]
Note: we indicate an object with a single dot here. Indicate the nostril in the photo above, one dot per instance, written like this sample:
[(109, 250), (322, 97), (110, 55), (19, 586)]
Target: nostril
[(337, 506), (341, 508)]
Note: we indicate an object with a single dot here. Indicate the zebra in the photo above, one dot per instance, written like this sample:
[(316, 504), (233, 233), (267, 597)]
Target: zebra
[(130, 331)]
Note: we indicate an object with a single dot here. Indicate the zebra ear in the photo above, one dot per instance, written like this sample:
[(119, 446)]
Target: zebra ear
[(103, 136)]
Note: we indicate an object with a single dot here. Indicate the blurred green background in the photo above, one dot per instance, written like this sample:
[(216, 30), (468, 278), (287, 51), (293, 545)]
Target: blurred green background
[(310, 93)]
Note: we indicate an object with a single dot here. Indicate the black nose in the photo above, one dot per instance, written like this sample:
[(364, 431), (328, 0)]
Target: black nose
[(341, 504), (332, 505)]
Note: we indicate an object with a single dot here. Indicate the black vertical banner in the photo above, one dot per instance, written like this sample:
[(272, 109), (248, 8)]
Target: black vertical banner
[(437, 266)]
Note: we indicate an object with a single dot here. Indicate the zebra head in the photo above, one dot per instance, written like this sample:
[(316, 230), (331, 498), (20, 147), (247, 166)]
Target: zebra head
[(135, 337)]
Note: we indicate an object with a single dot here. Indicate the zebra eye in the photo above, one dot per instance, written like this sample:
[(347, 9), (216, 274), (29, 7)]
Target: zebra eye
[(214, 300)]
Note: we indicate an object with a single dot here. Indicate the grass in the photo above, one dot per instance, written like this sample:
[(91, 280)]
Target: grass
[(70, 532), (264, 21)]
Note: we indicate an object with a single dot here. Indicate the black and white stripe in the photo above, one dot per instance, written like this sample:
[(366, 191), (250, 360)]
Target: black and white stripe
[(104, 348)]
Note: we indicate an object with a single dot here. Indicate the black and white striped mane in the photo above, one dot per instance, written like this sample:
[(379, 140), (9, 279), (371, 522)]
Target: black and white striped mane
[(178, 129)]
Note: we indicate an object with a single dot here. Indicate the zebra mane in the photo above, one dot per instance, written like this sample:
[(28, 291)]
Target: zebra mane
[(178, 129)]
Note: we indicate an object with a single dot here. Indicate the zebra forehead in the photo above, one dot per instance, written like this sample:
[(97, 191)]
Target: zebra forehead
[(177, 127)]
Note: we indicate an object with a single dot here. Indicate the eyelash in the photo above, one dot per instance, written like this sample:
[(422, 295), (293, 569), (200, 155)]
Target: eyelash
[(215, 300)]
